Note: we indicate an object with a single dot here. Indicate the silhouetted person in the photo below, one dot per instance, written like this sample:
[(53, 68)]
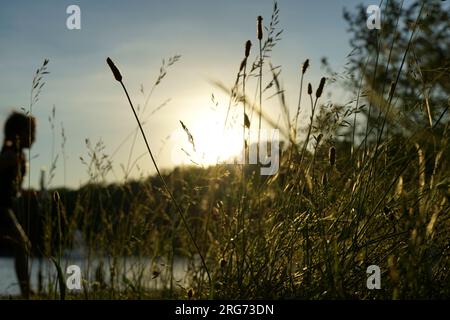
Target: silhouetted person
[(19, 134)]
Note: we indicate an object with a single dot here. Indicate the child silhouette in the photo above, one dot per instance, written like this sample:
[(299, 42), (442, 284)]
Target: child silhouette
[(19, 134)]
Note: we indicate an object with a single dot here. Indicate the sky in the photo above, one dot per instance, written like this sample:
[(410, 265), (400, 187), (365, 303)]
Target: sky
[(138, 35)]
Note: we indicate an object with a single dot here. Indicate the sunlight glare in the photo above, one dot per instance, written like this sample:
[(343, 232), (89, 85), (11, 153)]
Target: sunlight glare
[(212, 144)]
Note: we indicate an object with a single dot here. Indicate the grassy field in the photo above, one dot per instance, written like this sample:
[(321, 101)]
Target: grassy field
[(359, 184)]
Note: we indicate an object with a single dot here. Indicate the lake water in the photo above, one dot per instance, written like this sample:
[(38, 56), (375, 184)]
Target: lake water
[(156, 272)]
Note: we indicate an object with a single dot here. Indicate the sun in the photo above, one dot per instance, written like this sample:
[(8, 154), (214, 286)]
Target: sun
[(212, 143)]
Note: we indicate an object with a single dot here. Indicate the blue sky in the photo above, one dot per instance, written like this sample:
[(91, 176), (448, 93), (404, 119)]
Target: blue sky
[(210, 36)]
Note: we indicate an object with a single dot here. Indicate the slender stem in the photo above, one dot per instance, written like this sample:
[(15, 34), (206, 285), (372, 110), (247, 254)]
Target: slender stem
[(242, 213), (128, 169), (244, 115), (305, 144), (298, 107), (166, 186), (260, 93), (294, 142)]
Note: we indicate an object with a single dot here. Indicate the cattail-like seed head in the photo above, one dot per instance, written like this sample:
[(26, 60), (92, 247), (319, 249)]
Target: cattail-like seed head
[(319, 139), (248, 45), (309, 89), (399, 187), (324, 179), (332, 156), (305, 66), (56, 196), (246, 121), (320, 88), (114, 70), (259, 29), (309, 183)]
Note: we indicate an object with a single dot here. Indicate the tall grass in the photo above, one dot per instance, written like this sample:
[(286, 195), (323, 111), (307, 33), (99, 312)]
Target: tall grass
[(337, 205), (118, 77)]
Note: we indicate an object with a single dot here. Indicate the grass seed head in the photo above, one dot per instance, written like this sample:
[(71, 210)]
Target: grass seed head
[(332, 156), (248, 45), (114, 69), (309, 183), (259, 30), (246, 121), (325, 179), (56, 197), (309, 89), (320, 88), (319, 139), (190, 293), (305, 66), (399, 188)]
